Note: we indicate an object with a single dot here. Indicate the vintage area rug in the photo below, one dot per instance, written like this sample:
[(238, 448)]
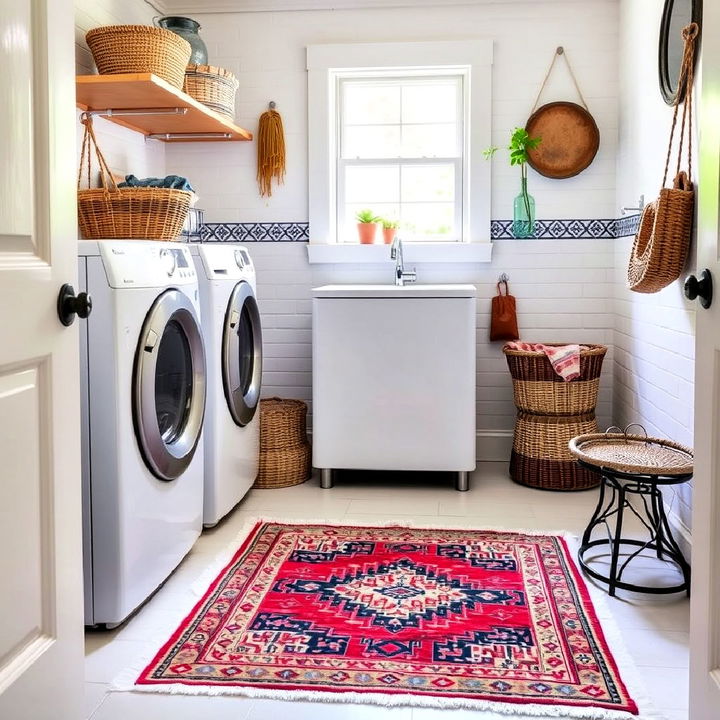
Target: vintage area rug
[(488, 620)]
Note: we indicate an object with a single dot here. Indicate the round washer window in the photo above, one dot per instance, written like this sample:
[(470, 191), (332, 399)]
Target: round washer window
[(173, 382)]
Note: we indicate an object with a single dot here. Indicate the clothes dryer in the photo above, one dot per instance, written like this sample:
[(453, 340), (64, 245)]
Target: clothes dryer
[(143, 401), (233, 341)]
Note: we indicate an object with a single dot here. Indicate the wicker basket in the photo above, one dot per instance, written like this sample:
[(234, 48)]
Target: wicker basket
[(139, 49), (538, 389), (110, 212), (214, 87), (285, 457), (540, 455)]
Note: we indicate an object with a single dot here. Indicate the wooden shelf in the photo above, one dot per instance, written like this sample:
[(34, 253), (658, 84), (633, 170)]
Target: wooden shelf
[(134, 91)]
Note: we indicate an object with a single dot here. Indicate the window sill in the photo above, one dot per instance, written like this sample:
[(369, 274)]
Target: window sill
[(413, 253)]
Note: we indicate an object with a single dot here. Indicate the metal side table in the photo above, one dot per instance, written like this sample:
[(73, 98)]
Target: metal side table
[(633, 467)]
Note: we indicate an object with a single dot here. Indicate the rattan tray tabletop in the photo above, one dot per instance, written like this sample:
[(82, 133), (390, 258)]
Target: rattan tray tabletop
[(633, 453)]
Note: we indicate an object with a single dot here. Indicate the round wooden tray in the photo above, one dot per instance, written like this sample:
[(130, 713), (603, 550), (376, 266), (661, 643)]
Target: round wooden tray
[(633, 453), (570, 139)]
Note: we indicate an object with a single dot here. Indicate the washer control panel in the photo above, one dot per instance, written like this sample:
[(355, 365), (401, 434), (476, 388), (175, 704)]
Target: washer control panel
[(225, 261), (141, 263)]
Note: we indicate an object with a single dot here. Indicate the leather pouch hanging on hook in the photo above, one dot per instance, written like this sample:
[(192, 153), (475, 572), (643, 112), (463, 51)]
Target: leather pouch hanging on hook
[(503, 316), (663, 239), (569, 135)]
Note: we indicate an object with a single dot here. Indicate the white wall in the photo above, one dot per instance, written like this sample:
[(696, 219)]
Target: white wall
[(124, 150), (654, 334), (564, 287)]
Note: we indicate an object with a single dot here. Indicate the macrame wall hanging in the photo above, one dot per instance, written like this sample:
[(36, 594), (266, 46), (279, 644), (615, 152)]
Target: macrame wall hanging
[(270, 151), (662, 242)]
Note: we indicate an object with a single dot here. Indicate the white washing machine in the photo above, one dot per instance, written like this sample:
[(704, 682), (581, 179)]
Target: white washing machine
[(233, 343), (143, 402)]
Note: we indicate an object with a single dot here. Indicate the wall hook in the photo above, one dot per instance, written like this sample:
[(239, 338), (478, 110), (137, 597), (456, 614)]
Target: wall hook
[(503, 278), (560, 50), (272, 105), (639, 208)]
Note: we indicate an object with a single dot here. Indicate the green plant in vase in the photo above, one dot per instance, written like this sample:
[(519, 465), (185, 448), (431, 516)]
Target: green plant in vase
[(367, 226), (524, 204), (389, 228)]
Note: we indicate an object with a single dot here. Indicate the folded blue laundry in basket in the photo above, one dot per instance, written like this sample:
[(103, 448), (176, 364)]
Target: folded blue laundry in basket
[(174, 182)]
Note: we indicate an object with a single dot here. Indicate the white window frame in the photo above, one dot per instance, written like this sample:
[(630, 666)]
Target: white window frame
[(325, 64), (460, 163)]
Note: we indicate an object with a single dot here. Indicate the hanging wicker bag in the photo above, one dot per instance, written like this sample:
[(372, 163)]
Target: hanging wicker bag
[(110, 212), (214, 87), (661, 245), (285, 456), (139, 49)]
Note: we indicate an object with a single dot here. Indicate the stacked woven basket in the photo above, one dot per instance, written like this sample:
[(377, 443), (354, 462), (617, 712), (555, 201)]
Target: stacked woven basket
[(550, 413), (285, 456)]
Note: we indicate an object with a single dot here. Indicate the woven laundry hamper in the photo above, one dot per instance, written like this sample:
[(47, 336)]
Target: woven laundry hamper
[(285, 455), (550, 413)]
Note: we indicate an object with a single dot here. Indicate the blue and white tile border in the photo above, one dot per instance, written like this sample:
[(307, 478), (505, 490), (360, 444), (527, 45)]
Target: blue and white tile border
[(573, 229)]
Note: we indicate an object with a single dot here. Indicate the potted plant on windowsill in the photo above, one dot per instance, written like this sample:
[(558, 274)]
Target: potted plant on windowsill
[(524, 204), (367, 227), (389, 228)]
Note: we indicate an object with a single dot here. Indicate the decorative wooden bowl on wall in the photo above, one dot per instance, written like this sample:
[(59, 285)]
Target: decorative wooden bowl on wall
[(570, 139)]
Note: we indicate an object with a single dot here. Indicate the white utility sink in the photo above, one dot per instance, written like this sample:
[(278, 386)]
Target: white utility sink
[(394, 378), (388, 291)]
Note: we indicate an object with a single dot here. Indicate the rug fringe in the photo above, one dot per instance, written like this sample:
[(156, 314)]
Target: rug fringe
[(125, 681)]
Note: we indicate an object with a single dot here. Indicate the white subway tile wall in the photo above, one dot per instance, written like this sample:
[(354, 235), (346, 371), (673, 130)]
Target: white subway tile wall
[(654, 334)]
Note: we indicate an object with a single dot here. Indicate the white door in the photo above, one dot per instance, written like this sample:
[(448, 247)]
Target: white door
[(41, 657), (705, 604)]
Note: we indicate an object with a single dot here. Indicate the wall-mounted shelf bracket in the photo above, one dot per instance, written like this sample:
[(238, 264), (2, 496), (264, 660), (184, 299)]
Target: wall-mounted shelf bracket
[(111, 112), (190, 136)]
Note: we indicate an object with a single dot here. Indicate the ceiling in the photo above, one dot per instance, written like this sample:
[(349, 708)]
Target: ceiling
[(213, 6)]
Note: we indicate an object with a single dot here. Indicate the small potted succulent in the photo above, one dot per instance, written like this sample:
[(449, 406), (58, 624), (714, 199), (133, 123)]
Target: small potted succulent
[(524, 204), (367, 227), (389, 228)]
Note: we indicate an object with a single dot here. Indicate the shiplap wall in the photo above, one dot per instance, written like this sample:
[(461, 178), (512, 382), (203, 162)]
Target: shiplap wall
[(564, 287), (125, 151), (654, 334)]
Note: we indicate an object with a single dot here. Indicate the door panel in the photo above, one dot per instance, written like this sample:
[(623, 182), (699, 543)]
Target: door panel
[(41, 658)]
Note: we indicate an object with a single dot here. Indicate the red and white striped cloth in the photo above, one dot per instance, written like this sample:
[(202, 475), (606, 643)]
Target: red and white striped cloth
[(565, 359)]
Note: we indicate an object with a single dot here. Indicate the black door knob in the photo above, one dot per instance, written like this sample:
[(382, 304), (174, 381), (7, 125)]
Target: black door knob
[(69, 305), (701, 288)]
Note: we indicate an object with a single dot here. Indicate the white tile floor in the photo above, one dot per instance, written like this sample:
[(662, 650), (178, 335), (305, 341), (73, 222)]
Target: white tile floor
[(655, 630)]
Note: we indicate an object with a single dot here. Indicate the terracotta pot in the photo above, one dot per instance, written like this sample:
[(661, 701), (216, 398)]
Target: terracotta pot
[(367, 232), (389, 235)]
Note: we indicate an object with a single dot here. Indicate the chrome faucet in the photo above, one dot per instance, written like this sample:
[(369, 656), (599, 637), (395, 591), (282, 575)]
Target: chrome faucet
[(401, 275)]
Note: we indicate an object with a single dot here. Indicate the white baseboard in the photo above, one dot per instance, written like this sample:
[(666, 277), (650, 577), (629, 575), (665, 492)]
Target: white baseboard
[(493, 445), (682, 534)]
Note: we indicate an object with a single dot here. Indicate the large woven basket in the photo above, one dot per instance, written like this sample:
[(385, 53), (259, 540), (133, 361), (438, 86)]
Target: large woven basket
[(139, 49), (540, 455), (537, 388), (110, 212), (285, 457), (214, 87)]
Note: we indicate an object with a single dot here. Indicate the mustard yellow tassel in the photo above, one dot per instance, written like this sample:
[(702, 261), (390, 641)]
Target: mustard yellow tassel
[(270, 151)]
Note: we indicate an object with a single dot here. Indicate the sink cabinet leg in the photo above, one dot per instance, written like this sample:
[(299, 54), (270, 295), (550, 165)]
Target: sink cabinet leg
[(326, 478), (462, 483)]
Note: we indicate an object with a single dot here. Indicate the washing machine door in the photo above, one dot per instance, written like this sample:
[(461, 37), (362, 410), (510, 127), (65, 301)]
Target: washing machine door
[(242, 354), (169, 385)]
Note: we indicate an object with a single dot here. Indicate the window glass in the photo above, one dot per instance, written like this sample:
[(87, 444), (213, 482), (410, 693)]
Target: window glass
[(173, 382)]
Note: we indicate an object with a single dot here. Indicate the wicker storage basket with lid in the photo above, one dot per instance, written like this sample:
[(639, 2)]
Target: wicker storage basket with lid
[(285, 455), (214, 87), (550, 413), (139, 49)]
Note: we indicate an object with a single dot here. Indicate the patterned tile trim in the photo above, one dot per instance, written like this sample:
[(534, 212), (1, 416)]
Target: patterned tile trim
[(256, 232), (573, 229)]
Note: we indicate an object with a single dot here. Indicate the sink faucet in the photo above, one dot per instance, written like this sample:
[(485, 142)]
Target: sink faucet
[(401, 275)]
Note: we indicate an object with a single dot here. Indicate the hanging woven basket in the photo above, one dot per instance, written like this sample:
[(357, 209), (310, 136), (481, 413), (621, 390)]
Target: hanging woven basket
[(662, 242)]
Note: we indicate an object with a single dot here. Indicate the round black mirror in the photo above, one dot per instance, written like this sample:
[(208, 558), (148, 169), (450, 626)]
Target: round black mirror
[(676, 15)]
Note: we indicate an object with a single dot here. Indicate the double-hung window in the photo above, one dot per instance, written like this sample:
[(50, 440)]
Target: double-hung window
[(400, 153), (399, 129)]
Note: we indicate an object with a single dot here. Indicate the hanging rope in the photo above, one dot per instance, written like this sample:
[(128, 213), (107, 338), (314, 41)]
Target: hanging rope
[(558, 52), (271, 151)]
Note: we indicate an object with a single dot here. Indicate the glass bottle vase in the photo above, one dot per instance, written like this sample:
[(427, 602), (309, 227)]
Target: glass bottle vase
[(523, 213)]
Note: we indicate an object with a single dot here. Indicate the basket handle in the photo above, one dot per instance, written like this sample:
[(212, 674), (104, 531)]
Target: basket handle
[(90, 144)]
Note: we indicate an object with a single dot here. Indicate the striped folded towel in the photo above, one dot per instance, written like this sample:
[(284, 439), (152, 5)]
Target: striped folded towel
[(565, 359)]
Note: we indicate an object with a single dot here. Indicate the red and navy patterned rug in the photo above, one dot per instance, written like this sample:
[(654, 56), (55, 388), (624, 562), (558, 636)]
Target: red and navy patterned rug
[(458, 617)]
